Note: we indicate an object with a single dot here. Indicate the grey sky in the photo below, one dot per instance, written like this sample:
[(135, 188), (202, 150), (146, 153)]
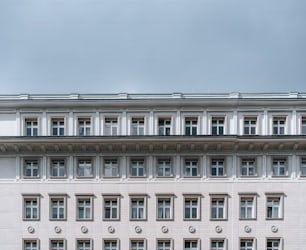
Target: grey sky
[(90, 46)]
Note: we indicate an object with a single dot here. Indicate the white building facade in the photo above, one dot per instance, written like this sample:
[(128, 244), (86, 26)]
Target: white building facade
[(153, 172)]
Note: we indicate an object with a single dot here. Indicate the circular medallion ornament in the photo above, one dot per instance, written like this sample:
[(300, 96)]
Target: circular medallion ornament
[(138, 229), (218, 229), (247, 229), (84, 229), (274, 229), (31, 230), (164, 229), (57, 229), (111, 229), (192, 229)]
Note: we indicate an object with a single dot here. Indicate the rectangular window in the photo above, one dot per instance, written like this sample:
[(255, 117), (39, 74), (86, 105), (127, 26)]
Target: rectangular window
[(84, 207), (30, 244), (110, 244), (279, 124), (164, 168), (58, 168), (273, 244), (57, 244), (192, 207), (138, 245), (31, 127), (85, 168), (191, 126), (84, 126), (247, 206), (274, 206), (218, 207), (164, 244), (111, 207), (248, 167), (303, 126), (192, 244), (164, 126), (217, 126), (111, 126), (84, 244), (249, 125), (279, 167), (31, 207), (138, 168), (303, 167), (247, 244), (31, 169), (217, 168), (218, 244), (138, 126), (191, 168), (111, 168), (58, 126), (138, 208), (58, 207), (164, 207)]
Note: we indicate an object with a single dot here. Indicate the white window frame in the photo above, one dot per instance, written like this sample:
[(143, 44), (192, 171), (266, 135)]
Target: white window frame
[(84, 241), (279, 125), (164, 208), (84, 126), (303, 166), (274, 206), (191, 125), (109, 201), (217, 247), (138, 241), (111, 247), (58, 164), (111, 164), (246, 246), (245, 165), (32, 165), (218, 164), (86, 164), (85, 207), (58, 207), (138, 164), (58, 241), (111, 126), (303, 125), (164, 125), (138, 212), (164, 241), (218, 198), (188, 205), (277, 164), (162, 164), (58, 126), (280, 244), (247, 206), (190, 164), (193, 240), (138, 126), (34, 128), (31, 206), (249, 128), (31, 240), (217, 124)]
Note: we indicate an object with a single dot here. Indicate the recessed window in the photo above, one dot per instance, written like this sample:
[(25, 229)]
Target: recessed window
[(247, 244), (31, 126), (218, 207), (138, 244), (111, 126), (279, 124), (31, 207), (84, 126), (247, 206), (191, 244), (274, 206), (273, 244), (31, 169), (137, 168), (58, 207), (217, 244), (217, 126), (249, 125), (303, 167), (191, 126), (138, 207), (164, 244), (191, 168), (85, 168), (164, 126), (57, 244), (138, 126), (58, 168), (111, 168), (164, 168), (30, 244), (111, 207), (303, 126), (217, 168), (111, 244), (84, 207), (164, 207), (84, 244), (248, 167), (58, 126), (279, 167), (192, 207)]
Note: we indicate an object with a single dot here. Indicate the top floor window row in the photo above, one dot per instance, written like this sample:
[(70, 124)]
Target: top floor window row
[(163, 125)]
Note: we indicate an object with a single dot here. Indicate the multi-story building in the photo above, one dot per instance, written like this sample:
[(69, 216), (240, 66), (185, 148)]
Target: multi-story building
[(153, 172)]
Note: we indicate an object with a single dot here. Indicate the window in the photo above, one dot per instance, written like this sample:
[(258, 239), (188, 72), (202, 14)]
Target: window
[(138, 126), (138, 245), (111, 126), (274, 206), (84, 126), (164, 126), (218, 207), (111, 207), (191, 126), (164, 168), (57, 244), (191, 244), (247, 244), (165, 207), (217, 126), (248, 167), (31, 169), (273, 244), (279, 167), (279, 124), (85, 168), (192, 207), (303, 167), (58, 168), (110, 245), (31, 207), (247, 206), (138, 207), (84, 207), (58, 126), (138, 168), (303, 123), (84, 244), (58, 207), (111, 168), (191, 168), (218, 244), (31, 127), (30, 244), (249, 125), (164, 244), (217, 168)]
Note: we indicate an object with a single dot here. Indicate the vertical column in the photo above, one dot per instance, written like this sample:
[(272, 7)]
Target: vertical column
[(178, 123), (234, 166), (204, 166), (204, 123), (178, 166), (44, 167), (265, 122), (151, 123), (234, 124), (18, 125), (18, 167), (294, 166), (294, 127), (97, 124), (124, 166), (44, 124), (150, 168), (123, 124), (70, 167), (264, 166), (70, 124), (98, 167)]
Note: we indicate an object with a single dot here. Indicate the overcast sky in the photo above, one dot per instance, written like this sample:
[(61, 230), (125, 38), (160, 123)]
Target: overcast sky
[(110, 46)]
